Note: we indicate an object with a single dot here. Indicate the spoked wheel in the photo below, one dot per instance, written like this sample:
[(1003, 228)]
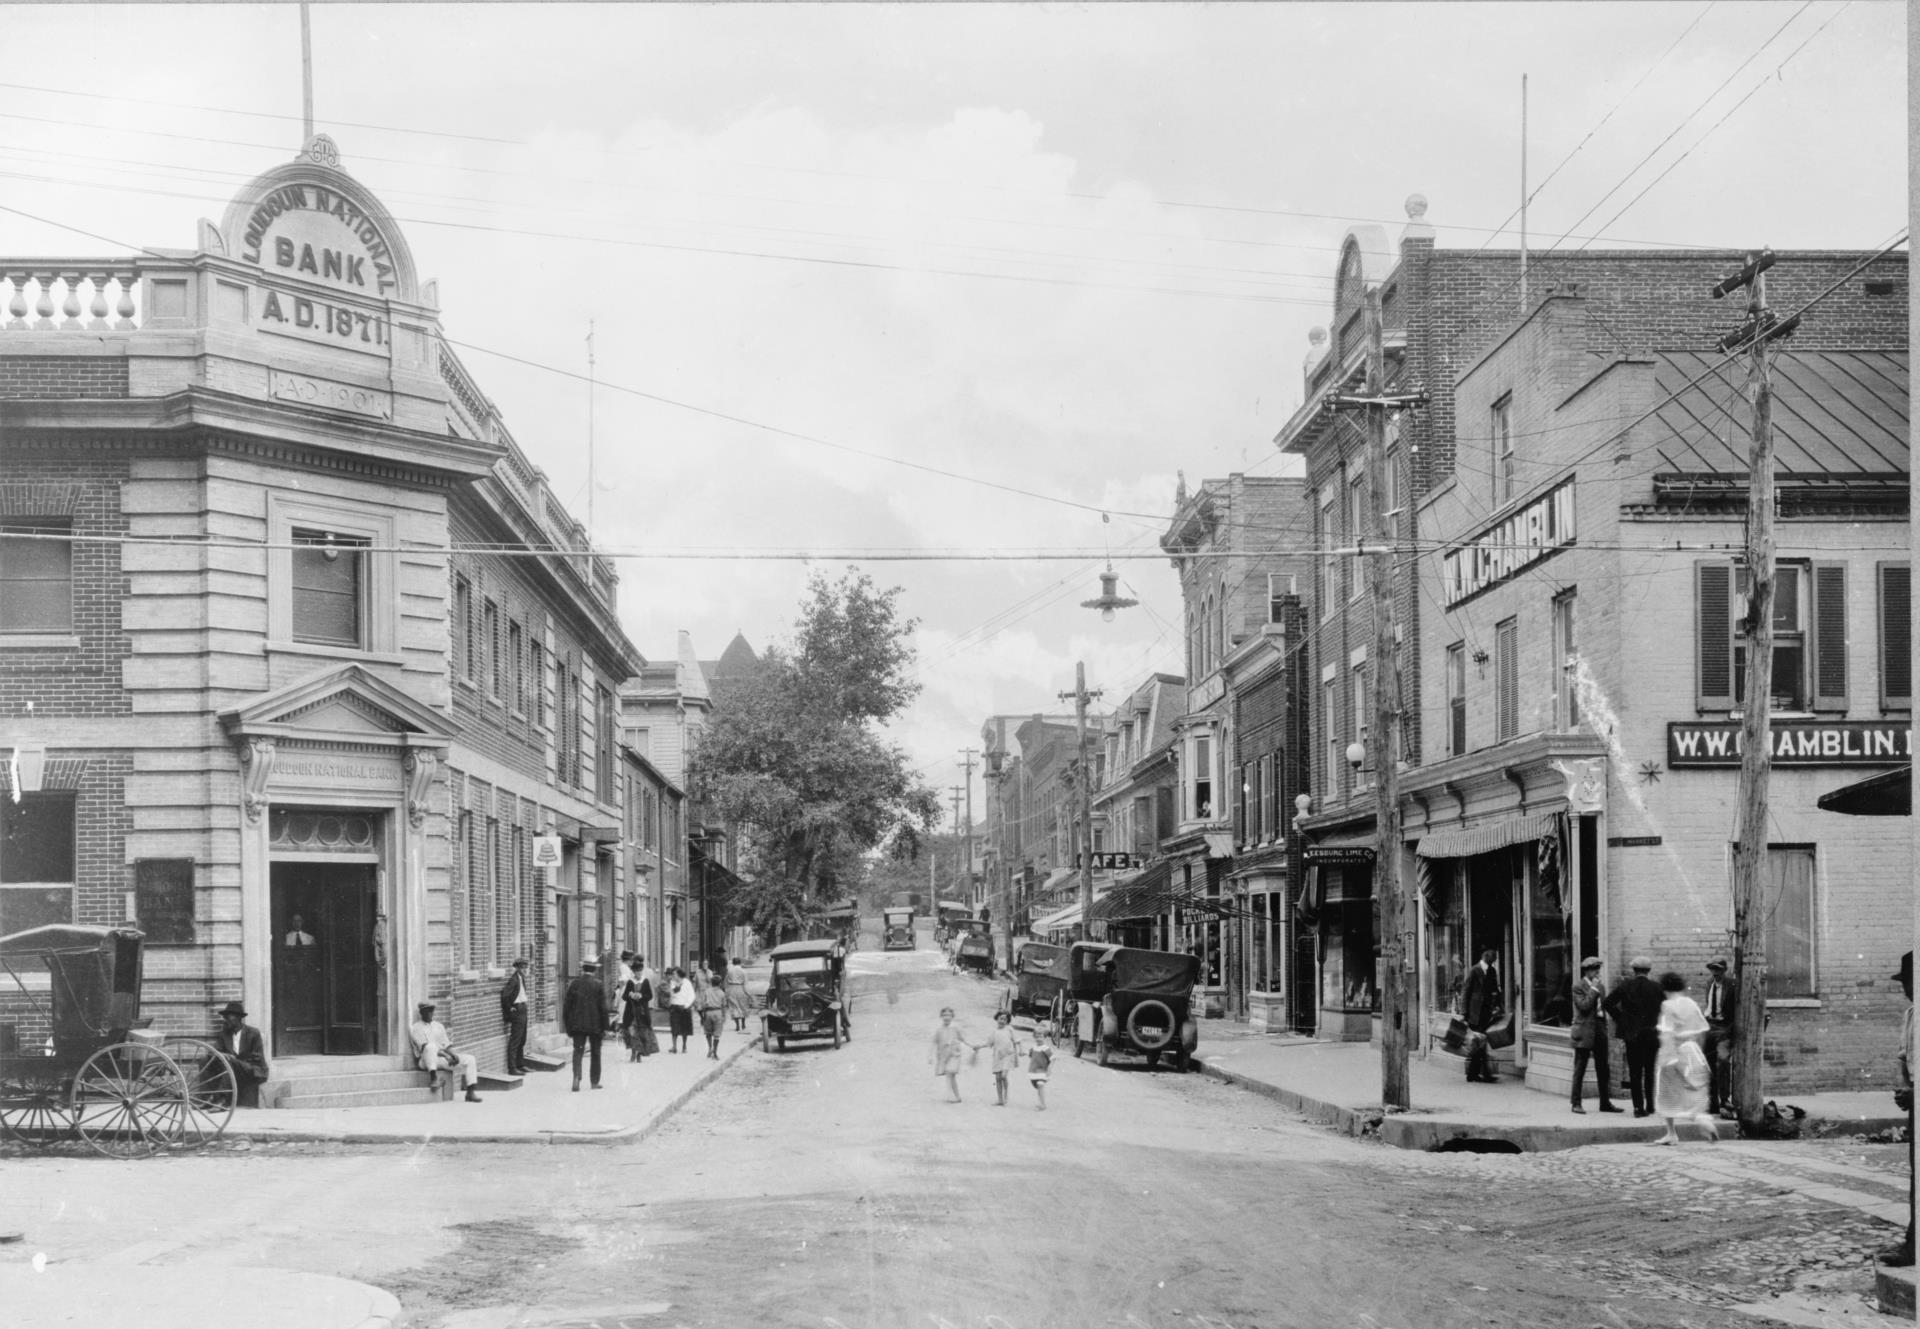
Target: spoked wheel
[(212, 1089), (130, 1101), (34, 1110)]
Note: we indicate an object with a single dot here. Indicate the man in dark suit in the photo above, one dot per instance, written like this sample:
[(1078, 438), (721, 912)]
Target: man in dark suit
[(1483, 1002), (1634, 1005), (1900, 1254), (1716, 1003), (583, 1014), (1589, 1035), (513, 1014), (245, 1051)]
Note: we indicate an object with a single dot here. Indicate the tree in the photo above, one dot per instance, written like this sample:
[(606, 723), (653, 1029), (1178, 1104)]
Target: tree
[(795, 755)]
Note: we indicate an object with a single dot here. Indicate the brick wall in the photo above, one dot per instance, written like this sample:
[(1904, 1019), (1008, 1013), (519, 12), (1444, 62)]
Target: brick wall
[(62, 377)]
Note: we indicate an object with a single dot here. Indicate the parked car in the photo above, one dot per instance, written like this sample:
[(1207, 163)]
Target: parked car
[(1130, 1000), (806, 994), (897, 927), (1039, 987), (974, 954)]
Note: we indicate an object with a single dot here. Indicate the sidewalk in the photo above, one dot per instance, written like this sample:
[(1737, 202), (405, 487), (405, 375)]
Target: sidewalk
[(1339, 1084)]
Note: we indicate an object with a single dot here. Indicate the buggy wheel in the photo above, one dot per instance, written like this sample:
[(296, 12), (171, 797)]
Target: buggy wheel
[(130, 1100), (212, 1089), (34, 1110)]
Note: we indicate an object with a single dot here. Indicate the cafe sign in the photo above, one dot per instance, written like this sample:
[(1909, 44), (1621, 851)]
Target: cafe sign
[(1794, 743), (1510, 546), (1111, 862)]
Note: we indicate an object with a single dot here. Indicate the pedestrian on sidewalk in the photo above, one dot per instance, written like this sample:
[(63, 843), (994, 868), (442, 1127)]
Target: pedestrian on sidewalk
[(1717, 1004), (1900, 1255), (1634, 1005), (436, 1054), (1040, 1061), (636, 1013), (1680, 1073), (583, 1014), (711, 1003), (1589, 1035), (739, 1001), (1006, 1054), (513, 1014), (680, 1001), (1483, 1003), (947, 1042)]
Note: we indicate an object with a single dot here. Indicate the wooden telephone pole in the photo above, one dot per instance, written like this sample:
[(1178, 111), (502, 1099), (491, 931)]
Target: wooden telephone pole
[(1750, 874), (1084, 781), (1383, 680)]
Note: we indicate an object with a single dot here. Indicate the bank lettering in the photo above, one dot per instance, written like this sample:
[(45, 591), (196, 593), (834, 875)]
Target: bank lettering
[(306, 252), (323, 392), (1793, 743), (1507, 548), (324, 320), (338, 770)]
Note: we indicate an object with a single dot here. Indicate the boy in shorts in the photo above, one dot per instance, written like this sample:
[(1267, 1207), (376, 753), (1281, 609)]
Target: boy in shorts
[(1040, 1060)]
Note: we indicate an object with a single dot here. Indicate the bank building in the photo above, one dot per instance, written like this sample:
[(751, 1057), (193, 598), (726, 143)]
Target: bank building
[(302, 666)]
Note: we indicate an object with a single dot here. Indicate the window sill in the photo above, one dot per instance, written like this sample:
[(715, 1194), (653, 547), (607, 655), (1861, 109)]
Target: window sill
[(468, 975), (496, 971), (320, 652), (38, 641), (1793, 1003)]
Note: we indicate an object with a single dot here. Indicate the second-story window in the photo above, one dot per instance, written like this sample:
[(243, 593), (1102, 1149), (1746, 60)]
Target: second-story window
[(490, 641), (1457, 699), (1506, 679), (328, 588), (1503, 460), (36, 575), (463, 627), (1357, 531), (1566, 665), (517, 667), (1327, 591)]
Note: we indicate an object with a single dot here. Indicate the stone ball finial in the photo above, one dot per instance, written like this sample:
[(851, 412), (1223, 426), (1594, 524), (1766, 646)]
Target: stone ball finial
[(1317, 336), (1416, 206)]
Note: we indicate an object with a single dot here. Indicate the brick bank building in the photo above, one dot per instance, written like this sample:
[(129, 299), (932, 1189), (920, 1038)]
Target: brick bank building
[(299, 663)]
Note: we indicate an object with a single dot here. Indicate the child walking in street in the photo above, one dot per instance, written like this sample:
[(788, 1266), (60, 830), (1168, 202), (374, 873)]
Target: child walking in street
[(947, 1042), (1040, 1061), (1006, 1054)]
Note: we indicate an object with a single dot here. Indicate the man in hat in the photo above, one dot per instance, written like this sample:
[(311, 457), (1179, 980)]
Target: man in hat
[(1901, 1255), (1481, 1006), (1589, 1035), (1634, 1005), (513, 1014), (583, 1014), (1717, 1004), (435, 1052), (245, 1051)]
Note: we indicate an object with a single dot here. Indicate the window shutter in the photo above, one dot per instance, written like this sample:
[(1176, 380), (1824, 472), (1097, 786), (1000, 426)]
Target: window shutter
[(1896, 636), (1829, 636), (1506, 668), (1713, 634)]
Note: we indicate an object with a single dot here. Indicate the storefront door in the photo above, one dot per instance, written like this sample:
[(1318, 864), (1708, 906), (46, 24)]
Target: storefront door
[(325, 999), (566, 947)]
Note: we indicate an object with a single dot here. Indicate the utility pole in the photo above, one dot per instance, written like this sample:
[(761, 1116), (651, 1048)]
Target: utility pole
[(1080, 697), (967, 755), (1383, 680), (1756, 721)]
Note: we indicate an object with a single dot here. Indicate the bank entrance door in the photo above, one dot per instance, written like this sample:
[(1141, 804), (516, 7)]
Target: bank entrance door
[(325, 981)]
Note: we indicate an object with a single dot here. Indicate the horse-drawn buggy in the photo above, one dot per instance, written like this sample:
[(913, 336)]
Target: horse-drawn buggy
[(77, 1059)]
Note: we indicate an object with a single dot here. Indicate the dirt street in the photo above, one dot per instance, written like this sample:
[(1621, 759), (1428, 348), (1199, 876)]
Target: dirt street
[(837, 1188)]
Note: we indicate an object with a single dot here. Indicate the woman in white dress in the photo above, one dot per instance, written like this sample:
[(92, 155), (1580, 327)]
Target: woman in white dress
[(1680, 1070)]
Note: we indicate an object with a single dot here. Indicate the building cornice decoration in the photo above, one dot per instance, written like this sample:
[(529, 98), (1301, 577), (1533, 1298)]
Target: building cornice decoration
[(419, 766), (256, 766)]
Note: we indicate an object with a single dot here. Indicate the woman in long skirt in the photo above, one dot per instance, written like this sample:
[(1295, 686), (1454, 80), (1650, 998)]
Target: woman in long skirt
[(739, 1003), (636, 1014), (1680, 1070)]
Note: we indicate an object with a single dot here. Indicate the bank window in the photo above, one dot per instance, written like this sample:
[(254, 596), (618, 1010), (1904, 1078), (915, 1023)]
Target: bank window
[(1506, 679), (36, 861), (329, 588), (1566, 665), (1457, 699), (1896, 636), (36, 575), (1503, 460), (1789, 921), (1324, 541)]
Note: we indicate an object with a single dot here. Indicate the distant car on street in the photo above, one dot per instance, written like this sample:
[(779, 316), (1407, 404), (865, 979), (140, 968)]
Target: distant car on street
[(897, 929), (974, 955), (1135, 1001), (1039, 987)]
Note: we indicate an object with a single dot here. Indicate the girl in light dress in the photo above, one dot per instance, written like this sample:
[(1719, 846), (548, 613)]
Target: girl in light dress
[(1006, 1054), (947, 1042), (1680, 1070), (1040, 1060)]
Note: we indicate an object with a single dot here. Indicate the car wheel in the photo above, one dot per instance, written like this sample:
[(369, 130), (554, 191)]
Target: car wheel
[(1183, 1060), (1151, 1012), (1079, 1048), (836, 1033)]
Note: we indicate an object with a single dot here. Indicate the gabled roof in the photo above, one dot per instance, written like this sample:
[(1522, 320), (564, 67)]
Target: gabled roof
[(347, 700), (1835, 413)]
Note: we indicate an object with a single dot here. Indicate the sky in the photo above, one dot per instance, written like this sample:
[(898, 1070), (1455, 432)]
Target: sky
[(967, 281)]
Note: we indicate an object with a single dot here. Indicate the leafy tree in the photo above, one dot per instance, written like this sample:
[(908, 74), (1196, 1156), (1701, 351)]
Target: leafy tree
[(795, 755)]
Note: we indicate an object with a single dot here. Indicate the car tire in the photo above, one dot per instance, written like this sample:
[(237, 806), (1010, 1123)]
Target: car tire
[(836, 1033), (1152, 1007), (1183, 1060)]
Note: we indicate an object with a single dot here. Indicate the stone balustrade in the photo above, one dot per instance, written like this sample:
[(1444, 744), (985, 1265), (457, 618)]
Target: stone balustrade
[(53, 295)]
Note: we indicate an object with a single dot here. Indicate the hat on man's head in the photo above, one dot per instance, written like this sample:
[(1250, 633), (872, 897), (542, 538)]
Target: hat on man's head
[(521, 963), (234, 1008), (1642, 963), (1718, 966), (589, 964), (1905, 974), (424, 1006), (1591, 962)]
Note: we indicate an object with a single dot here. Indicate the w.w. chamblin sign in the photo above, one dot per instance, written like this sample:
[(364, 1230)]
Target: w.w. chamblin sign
[(1516, 542), (1794, 742)]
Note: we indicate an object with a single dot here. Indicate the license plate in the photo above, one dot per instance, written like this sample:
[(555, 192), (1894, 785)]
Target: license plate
[(1150, 1032), (802, 1024)]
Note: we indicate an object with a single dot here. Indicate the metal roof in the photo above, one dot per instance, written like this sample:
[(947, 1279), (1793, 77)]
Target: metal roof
[(1838, 413)]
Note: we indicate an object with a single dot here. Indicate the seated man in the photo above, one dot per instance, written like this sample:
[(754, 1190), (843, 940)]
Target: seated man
[(433, 1049), (241, 1045)]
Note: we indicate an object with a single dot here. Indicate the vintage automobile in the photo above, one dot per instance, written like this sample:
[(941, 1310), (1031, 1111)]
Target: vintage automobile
[(1039, 987), (807, 995), (974, 954), (897, 928), (1130, 1000)]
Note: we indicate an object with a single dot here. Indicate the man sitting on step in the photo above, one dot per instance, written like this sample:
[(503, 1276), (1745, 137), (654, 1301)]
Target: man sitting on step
[(434, 1051)]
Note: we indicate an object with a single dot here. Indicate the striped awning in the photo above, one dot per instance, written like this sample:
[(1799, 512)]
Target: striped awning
[(1466, 841), (1059, 918), (1140, 896)]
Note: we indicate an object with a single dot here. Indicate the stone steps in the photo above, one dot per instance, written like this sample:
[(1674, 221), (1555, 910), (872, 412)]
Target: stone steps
[(418, 1093)]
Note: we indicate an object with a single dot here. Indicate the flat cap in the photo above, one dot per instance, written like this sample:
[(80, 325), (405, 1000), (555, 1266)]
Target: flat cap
[(1642, 963), (1591, 962)]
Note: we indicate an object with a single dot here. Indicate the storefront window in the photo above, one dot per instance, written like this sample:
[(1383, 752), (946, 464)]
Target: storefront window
[(1551, 927), (1449, 912)]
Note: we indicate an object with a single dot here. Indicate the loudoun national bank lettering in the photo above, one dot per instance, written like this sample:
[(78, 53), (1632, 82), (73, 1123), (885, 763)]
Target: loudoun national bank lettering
[(319, 233), (1794, 743)]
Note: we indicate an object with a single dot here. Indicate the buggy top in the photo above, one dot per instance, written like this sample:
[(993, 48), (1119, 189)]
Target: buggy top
[(95, 992)]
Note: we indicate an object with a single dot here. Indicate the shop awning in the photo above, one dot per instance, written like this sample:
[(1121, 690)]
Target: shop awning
[(1059, 918), (1886, 795), (1466, 841), (1141, 896), (1056, 878)]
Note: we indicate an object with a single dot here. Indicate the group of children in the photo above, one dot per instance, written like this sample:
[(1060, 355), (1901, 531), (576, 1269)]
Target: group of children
[(1006, 1049)]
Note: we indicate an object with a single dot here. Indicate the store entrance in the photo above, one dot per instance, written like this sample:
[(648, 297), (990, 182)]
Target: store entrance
[(325, 980)]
